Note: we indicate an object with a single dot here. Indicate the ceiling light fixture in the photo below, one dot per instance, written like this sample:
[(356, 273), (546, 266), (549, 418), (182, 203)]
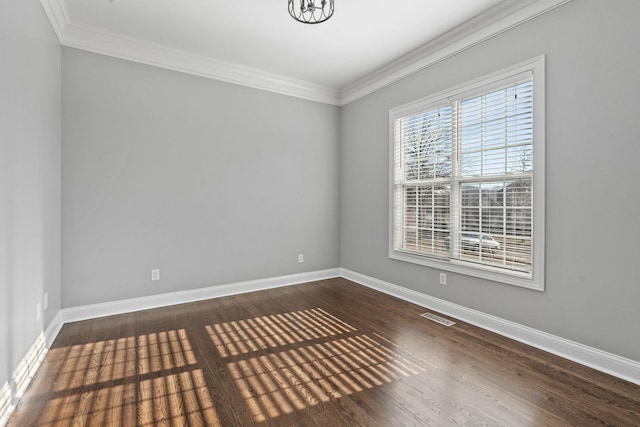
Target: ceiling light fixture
[(310, 11)]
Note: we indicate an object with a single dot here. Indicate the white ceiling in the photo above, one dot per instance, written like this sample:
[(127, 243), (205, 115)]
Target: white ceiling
[(259, 42)]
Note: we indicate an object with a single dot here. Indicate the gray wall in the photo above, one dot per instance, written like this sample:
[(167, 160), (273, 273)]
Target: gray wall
[(210, 182), (593, 147), (29, 177)]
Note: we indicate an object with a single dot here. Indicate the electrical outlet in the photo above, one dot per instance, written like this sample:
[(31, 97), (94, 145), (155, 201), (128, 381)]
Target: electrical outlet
[(155, 275), (45, 303), (300, 258), (443, 279), (38, 311)]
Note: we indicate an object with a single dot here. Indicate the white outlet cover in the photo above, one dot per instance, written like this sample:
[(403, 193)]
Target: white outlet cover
[(155, 274)]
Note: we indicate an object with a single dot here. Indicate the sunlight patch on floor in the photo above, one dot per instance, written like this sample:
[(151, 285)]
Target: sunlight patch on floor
[(95, 383), (288, 362)]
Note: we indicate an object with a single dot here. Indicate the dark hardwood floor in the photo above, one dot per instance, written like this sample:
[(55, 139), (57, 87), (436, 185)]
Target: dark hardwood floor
[(328, 353)]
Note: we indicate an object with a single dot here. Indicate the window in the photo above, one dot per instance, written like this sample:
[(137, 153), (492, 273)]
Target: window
[(467, 184)]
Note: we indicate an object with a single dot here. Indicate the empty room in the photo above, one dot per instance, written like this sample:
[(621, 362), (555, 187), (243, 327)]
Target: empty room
[(319, 213)]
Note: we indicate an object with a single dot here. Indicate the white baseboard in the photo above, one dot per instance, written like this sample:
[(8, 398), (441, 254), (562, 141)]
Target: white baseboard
[(93, 311), (612, 364), (28, 366), (617, 366), (10, 394), (6, 403), (53, 329)]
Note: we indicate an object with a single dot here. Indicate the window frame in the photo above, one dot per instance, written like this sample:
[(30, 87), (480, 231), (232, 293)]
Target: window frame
[(534, 67)]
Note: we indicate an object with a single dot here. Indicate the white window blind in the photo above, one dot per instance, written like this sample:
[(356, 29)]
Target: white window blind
[(463, 178)]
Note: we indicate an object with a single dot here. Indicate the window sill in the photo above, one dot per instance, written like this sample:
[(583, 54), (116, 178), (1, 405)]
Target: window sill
[(470, 269)]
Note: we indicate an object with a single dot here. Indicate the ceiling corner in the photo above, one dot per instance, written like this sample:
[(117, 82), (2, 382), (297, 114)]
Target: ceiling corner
[(58, 15)]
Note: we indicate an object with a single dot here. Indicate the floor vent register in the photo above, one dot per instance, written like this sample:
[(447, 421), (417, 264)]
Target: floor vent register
[(438, 319)]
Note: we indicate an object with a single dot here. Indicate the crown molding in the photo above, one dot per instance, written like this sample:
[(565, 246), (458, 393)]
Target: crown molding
[(107, 43), (58, 15), (506, 15), (495, 21)]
